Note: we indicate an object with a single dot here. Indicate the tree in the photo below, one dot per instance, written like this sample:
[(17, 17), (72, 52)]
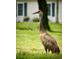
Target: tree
[(43, 7), (57, 11)]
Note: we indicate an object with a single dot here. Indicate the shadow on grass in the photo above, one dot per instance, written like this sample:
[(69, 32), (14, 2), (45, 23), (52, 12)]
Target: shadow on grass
[(26, 55), (25, 29), (56, 31)]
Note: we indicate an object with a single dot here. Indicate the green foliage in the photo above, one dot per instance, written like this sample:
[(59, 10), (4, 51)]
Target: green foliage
[(28, 43), (26, 19), (36, 20)]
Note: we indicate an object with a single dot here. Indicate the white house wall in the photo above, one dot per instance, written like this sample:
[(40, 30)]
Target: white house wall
[(51, 18), (60, 12), (32, 6)]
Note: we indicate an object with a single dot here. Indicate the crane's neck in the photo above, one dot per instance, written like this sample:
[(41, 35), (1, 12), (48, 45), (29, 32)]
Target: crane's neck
[(41, 29)]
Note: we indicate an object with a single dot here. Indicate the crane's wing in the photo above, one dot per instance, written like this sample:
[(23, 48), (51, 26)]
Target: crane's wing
[(50, 39)]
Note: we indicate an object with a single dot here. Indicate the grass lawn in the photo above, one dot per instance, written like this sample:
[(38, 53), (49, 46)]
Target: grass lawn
[(28, 43)]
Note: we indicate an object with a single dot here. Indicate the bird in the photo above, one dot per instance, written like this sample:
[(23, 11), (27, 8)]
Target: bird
[(49, 42)]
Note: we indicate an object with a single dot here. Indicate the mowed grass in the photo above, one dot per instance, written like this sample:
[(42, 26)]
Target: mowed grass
[(28, 43)]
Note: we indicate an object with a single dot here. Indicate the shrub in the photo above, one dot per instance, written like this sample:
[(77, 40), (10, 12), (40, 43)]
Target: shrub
[(36, 20), (26, 19)]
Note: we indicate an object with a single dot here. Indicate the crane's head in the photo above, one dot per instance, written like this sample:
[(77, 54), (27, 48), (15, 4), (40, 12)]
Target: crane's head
[(40, 13), (36, 12)]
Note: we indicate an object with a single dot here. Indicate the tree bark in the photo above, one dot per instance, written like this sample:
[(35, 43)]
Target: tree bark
[(43, 7), (57, 12)]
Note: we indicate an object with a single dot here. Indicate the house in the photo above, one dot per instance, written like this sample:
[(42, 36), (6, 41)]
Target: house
[(25, 8)]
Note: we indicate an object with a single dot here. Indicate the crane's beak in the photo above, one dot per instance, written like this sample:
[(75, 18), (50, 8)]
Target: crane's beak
[(36, 12)]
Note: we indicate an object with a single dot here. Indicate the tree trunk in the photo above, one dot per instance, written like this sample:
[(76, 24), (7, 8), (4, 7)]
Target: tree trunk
[(57, 11), (43, 7)]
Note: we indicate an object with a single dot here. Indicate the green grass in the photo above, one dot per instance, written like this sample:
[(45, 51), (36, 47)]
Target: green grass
[(28, 43)]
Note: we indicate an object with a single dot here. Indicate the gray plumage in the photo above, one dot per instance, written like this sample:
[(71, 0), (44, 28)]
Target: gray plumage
[(47, 40), (49, 43)]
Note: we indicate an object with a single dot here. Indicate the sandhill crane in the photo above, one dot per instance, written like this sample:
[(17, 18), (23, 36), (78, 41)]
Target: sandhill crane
[(49, 43)]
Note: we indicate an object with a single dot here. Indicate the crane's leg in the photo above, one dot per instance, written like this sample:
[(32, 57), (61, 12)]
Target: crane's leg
[(46, 50), (49, 50), (52, 52)]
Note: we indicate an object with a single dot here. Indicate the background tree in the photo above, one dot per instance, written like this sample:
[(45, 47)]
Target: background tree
[(57, 11), (43, 7)]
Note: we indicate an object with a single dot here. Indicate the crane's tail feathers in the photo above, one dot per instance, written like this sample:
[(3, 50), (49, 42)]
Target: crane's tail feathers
[(56, 50)]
